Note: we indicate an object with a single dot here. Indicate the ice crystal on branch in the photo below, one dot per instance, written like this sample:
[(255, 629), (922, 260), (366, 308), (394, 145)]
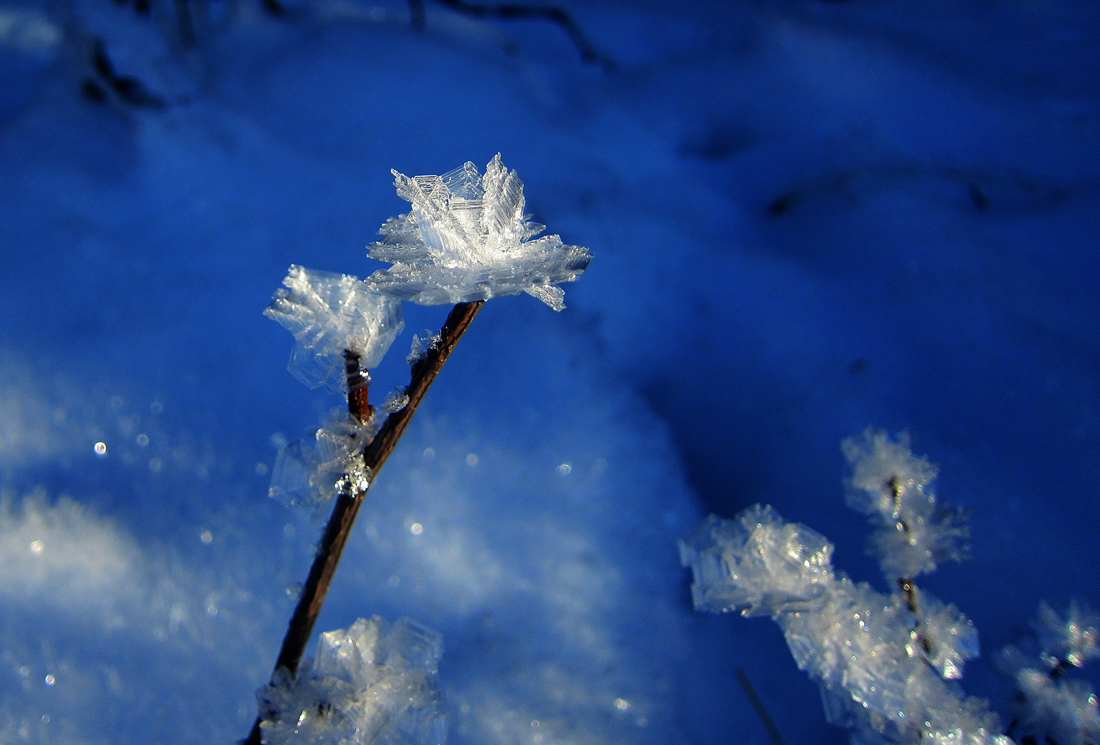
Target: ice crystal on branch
[(1061, 711), (913, 532), (308, 472), (370, 685), (756, 564), (1050, 706), (886, 662), (467, 238), (878, 675), (329, 313), (1073, 638)]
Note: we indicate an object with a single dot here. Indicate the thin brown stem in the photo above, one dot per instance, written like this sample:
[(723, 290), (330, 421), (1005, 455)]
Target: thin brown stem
[(338, 529)]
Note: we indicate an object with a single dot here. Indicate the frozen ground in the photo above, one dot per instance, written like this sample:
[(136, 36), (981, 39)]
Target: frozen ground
[(807, 217)]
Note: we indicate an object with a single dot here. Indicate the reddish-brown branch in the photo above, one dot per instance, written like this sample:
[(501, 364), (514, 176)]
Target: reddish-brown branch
[(350, 499)]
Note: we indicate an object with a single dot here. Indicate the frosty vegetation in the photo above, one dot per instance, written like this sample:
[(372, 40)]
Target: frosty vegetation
[(467, 238), (887, 662), (370, 683)]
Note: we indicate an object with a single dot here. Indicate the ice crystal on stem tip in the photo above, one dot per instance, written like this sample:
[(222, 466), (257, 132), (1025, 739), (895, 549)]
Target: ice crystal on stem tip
[(467, 238), (328, 314), (370, 685)]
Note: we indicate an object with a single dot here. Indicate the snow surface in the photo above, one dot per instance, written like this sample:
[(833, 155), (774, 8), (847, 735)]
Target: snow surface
[(807, 218)]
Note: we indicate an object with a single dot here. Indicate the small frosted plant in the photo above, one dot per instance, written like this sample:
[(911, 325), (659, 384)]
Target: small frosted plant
[(466, 240), (886, 662)]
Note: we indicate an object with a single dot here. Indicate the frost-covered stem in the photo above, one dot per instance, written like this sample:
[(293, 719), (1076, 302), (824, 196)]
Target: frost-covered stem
[(423, 373), (338, 529), (905, 584)]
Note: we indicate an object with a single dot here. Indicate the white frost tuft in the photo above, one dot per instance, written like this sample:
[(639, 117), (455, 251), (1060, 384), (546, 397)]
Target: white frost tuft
[(467, 238), (328, 313), (370, 685)]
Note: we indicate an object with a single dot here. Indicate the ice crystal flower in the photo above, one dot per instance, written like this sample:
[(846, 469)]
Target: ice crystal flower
[(329, 313), (467, 238)]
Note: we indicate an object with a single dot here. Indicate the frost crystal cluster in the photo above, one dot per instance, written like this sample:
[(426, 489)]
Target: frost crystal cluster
[(913, 532), (1052, 708), (329, 313), (370, 685), (467, 238), (308, 472), (885, 662)]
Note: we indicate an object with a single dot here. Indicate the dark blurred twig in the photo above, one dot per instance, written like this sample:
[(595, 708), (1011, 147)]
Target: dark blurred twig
[(510, 11), (758, 706), (350, 498)]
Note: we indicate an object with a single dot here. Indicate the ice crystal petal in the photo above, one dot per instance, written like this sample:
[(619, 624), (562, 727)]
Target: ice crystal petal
[(467, 238), (308, 472), (756, 563)]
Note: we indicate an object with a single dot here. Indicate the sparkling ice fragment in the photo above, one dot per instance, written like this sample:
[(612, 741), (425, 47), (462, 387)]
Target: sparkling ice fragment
[(756, 563), (467, 238), (370, 685), (1073, 638), (328, 313), (308, 472)]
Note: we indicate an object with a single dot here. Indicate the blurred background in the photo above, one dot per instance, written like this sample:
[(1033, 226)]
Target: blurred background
[(808, 217)]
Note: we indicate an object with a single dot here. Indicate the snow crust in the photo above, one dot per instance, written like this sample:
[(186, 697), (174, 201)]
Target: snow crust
[(467, 238)]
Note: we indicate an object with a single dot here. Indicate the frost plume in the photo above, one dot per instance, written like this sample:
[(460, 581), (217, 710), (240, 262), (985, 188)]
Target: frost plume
[(370, 685), (913, 532), (881, 672), (328, 313), (309, 472), (467, 238)]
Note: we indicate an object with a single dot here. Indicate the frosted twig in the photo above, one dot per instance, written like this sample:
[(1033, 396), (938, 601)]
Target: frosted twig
[(351, 496)]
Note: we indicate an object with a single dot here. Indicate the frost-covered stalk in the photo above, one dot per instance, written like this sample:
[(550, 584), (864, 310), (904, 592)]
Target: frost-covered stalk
[(885, 662), (350, 499), (466, 240)]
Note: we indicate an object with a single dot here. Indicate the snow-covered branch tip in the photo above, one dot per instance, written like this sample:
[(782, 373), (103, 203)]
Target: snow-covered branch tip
[(467, 238)]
